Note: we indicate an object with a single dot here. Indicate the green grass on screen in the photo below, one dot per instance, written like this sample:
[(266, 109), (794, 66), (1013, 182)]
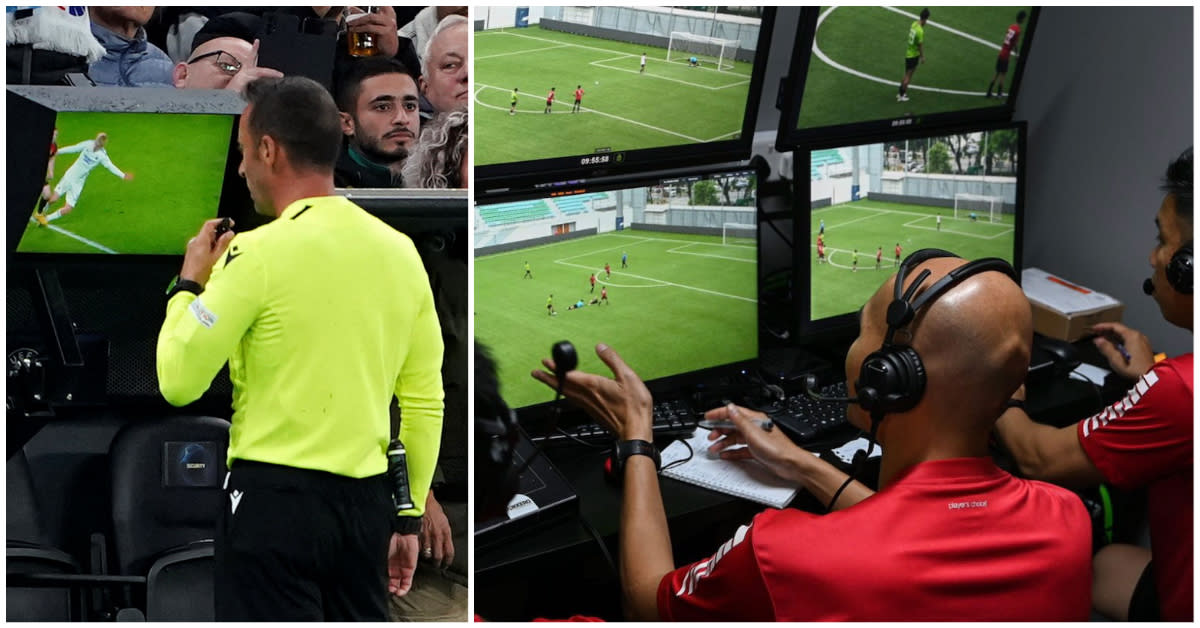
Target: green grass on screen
[(868, 224), (178, 165), (866, 46), (622, 109), (686, 302)]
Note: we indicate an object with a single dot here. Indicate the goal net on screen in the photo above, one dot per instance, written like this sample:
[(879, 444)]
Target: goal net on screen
[(739, 234), (709, 51), (966, 204)]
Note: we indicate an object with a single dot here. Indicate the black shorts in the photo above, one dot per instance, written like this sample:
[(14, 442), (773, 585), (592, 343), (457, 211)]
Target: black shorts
[(1144, 605), (1001, 65), (514, 103), (578, 100), (295, 544), (910, 63)]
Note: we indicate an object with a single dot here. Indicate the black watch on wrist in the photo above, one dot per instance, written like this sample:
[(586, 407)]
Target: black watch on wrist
[(627, 448), (1014, 403), (178, 285)]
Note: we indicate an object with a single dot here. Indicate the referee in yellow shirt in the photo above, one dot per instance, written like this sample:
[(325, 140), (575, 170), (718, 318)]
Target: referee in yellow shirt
[(323, 314)]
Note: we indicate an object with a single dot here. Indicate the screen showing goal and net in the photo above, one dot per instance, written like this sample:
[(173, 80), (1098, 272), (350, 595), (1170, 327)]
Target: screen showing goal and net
[(664, 271), (873, 204), (597, 82)]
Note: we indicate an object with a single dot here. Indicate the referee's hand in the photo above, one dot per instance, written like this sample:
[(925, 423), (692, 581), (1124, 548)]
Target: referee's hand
[(203, 251), (402, 562)]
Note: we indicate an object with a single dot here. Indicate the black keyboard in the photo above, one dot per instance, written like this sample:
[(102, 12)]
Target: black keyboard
[(806, 420), (673, 419)]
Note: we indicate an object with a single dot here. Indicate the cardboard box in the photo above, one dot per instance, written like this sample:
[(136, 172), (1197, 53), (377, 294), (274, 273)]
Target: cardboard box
[(1065, 310)]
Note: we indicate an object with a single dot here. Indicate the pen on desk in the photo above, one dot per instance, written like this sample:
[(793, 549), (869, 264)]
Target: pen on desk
[(766, 424)]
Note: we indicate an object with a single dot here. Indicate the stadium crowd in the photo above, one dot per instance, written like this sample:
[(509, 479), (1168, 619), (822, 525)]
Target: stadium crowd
[(413, 73)]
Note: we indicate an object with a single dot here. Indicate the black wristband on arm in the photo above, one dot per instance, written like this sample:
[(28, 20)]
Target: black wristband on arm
[(406, 525)]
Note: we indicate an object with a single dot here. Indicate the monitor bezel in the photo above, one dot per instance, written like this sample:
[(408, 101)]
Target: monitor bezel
[(505, 180), (538, 414), (790, 137), (843, 326), (47, 102)]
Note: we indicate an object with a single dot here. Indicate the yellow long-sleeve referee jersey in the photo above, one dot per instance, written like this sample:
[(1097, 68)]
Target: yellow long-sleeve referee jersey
[(323, 315)]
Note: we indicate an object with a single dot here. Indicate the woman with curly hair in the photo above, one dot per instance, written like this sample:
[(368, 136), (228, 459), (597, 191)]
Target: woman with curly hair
[(439, 159)]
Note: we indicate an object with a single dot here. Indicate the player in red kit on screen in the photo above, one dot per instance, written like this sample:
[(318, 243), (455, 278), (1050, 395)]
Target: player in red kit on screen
[(1011, 37), (578, 98), (549, 100)]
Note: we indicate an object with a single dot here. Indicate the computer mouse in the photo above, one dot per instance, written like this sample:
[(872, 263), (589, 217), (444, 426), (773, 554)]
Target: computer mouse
[(1063, 353)]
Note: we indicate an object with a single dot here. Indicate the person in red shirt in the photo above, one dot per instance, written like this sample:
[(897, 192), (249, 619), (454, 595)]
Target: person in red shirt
[(1144, 440), (949, 536), (820, 252), (878, 257), (604, 294), (549, 100), (592, 280), (1011, 37), (897, 262), (607, 271), (578, 98)]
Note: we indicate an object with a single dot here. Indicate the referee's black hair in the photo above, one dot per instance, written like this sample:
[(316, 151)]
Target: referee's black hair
[(1178, 183), (1020, 16), (924, 14), (299, 114)]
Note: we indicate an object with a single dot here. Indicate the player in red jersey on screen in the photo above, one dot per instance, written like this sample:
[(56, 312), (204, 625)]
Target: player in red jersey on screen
[(1011, 38), (549, 100), (578, 98)]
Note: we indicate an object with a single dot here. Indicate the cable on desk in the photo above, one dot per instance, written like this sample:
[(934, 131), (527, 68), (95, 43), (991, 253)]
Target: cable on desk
[(612, 564), (579, 440), (691, 453)]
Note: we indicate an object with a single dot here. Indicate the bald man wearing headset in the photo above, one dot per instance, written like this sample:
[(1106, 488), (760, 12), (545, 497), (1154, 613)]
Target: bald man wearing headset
[(949, 536)]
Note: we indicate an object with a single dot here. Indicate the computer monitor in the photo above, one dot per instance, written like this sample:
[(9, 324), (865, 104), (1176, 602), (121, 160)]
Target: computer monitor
[(111, 171), (675, 266), (960, 189), (850, 61), (657, 88)]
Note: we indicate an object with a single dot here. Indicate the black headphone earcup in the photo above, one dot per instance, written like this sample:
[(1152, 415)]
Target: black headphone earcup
[(1179, 269), (891, 379)]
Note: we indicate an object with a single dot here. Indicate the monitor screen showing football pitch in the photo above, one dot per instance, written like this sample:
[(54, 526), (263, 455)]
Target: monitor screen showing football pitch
[(872, 68), (873, 204), (128, 183), (595, 88), (664, 271)]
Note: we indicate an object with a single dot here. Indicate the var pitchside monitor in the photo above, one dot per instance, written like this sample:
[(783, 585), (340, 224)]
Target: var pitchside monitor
[(873, 203), (664, 271), (869, 70), (124, 183), (566, 93)]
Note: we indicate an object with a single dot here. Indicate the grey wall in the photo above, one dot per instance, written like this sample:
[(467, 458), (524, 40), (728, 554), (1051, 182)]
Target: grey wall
[(1108, 97)]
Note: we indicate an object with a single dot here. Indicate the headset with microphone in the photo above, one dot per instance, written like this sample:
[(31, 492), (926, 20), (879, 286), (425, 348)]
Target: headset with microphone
[(892, 379), (1179, 272)]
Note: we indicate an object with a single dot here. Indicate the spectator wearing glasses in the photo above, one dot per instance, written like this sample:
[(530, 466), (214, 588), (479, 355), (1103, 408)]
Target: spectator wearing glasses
[(224, 55)]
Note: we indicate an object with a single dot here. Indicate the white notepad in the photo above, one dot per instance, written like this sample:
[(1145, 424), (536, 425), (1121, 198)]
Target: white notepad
[(747, 479)]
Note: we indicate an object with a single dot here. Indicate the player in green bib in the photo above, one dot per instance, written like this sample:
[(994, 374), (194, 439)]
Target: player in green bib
[(512, 110), (914, 54)]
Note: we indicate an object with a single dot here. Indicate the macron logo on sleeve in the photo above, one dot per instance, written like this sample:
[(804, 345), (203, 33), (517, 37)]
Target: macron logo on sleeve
[(1118, 409)]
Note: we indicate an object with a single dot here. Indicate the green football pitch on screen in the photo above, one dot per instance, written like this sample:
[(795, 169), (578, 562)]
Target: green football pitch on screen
[(623, 108), (839, 287), (685, 302), (858, 62), (178, 166)]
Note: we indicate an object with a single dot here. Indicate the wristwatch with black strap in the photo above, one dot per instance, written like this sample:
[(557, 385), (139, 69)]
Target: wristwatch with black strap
[(178, 285), (627, 448)]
